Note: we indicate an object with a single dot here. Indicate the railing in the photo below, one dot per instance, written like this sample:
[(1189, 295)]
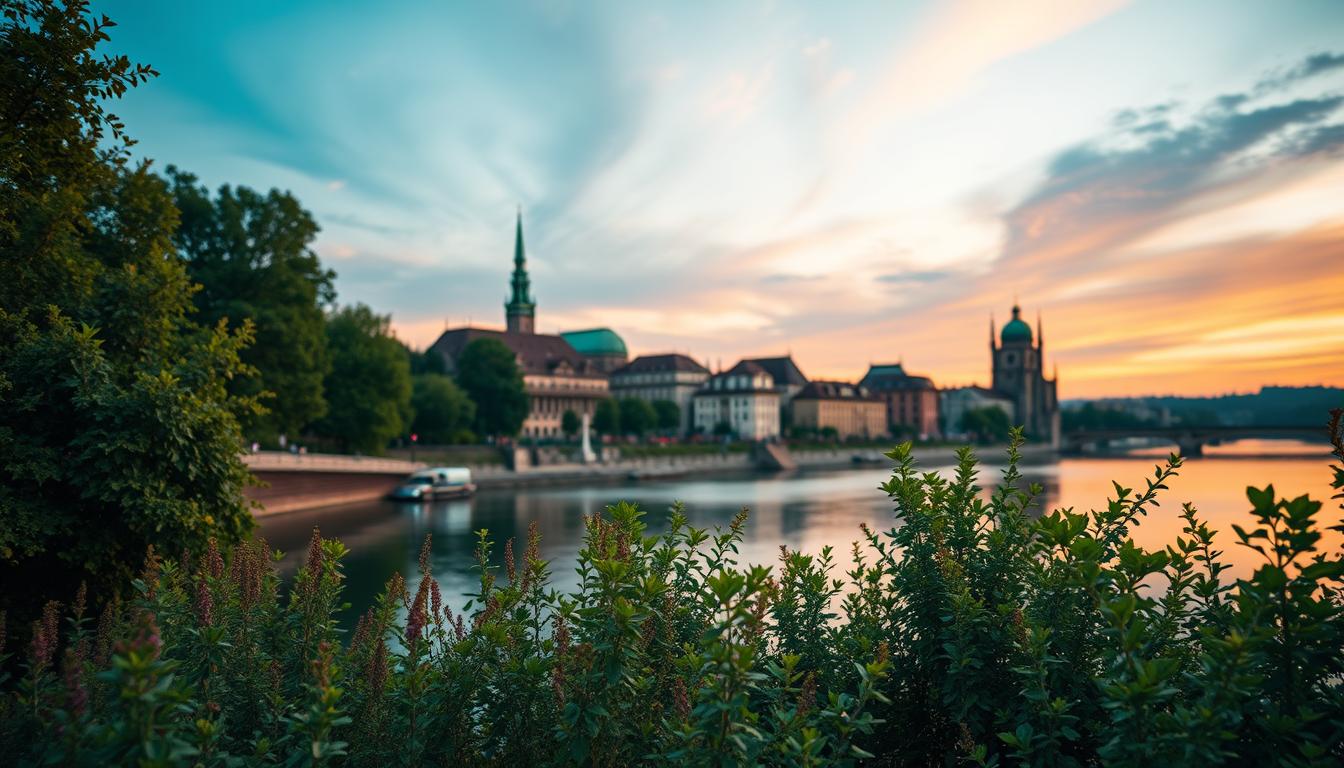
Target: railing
[(281, 461)]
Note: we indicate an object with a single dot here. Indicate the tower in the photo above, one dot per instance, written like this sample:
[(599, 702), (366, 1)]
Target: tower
[(520, 310), (1019, 373)]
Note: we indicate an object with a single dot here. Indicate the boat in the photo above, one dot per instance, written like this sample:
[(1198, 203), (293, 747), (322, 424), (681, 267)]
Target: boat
[(435, 483)]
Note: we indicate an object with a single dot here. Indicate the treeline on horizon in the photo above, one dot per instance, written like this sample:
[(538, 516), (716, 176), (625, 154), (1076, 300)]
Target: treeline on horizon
[(1272, 406)]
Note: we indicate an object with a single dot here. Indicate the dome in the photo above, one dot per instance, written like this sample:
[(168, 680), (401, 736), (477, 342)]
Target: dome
[(596, 342), (1016, 330)]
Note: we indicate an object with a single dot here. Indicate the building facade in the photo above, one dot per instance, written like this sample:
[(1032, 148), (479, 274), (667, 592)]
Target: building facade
[(912, 401), (672, 377), (742, 400), (852, 411), (1019, 374), (556, 376), (954, 403)]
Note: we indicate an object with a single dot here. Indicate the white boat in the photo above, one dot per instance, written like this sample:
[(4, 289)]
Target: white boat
[(435, 483)]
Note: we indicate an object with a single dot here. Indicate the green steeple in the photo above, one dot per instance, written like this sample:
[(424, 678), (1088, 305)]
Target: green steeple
[(520, 310)]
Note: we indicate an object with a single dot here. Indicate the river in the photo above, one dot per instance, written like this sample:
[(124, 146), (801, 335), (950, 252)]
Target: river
[(804, 510)]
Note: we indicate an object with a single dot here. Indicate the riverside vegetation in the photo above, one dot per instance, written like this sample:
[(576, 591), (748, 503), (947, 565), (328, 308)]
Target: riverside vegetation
[(971, 632)]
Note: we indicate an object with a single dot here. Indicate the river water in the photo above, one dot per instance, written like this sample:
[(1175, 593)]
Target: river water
[(803, 510)]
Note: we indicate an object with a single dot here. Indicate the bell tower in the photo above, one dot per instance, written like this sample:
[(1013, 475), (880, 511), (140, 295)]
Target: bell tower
[(520, 310)]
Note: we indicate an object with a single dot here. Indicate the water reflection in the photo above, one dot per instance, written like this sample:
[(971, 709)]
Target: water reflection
[(806, 510)]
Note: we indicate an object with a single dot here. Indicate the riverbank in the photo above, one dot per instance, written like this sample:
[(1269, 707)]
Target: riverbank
[(700, 465), (297, 482)]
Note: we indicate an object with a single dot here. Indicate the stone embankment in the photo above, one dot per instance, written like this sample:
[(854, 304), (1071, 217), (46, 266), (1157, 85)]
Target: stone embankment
[(290, 482)]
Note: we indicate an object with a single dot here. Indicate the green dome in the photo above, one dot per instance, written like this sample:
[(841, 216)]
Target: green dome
[(1016, 329), (596, 342)]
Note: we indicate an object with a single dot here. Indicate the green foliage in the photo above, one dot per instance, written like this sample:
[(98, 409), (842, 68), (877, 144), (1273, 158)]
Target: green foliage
[(117, 428), (488, 371), (607, 417), (442, 410), (986, 425), (637, 416), (570, 423), (667, 416), (369, 385), (250, 253), (971, 632)]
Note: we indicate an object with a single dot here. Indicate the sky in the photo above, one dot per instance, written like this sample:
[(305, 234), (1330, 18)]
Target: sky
[(849, 183)]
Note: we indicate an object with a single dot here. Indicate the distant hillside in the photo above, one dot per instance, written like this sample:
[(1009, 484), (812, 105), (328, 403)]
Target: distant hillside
[(1271, 406)]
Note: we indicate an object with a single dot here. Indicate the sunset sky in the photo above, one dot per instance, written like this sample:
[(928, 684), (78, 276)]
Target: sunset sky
[(848, 182)]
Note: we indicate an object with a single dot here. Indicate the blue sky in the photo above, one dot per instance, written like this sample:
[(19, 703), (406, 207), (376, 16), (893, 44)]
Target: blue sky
[(850, 182)]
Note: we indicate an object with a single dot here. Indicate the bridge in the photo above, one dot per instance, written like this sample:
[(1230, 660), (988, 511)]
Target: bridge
[(1190, 441), (293, 481)]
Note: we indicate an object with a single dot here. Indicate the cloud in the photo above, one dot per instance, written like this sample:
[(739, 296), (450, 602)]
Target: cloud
[(956, 41)]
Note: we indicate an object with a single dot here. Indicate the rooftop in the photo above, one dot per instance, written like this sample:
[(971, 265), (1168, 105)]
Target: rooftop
[(539, 354), (596, 342), (671, 362)]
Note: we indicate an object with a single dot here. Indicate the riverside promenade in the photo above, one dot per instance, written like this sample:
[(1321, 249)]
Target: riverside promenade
[(289, 482)]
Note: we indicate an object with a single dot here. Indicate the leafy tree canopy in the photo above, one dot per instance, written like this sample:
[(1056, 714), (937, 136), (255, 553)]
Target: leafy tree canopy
[(442, 409), (488, 371), (987, 424), (369, 386), (637, 416), (570, 423), (250, 253), (117, 428), (667, 415), (607, 417)]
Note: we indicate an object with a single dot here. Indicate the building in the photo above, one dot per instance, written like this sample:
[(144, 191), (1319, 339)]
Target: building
[(852, 411), (1019, 374), (912, 401), (557, 377), (788, 377), (743, 401), (671, 377), (602, 346), (954, 403)]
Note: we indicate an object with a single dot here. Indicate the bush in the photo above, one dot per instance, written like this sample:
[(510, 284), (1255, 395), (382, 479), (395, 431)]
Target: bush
[(970, 632)]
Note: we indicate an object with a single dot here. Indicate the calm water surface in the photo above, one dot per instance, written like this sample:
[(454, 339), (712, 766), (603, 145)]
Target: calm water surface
[(805, 510)]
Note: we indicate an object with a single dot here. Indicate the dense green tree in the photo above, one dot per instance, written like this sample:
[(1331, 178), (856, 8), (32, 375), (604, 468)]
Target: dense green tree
[(637, 416), (442, 409), (988, 424), (607, 417), (251, 254), (369, 386), (488, 371), (426, 361), (723, 429), (667, 416), (116, 426), (570, 424)]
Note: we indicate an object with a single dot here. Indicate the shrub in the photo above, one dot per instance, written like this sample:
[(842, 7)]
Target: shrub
[(972, 631)]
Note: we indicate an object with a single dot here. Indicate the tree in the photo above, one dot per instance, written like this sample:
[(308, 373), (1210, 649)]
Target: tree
[(667, 416), (488, 371), (723, 429), (987, 424), (427, 361), (607, 417), (117, 429), (570, 424), (250, 253), (442, 410), (369, 386), (637, 416)]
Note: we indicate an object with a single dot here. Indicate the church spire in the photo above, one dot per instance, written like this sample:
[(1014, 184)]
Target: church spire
[(1040, 332), (991, 331), (520, 310)]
